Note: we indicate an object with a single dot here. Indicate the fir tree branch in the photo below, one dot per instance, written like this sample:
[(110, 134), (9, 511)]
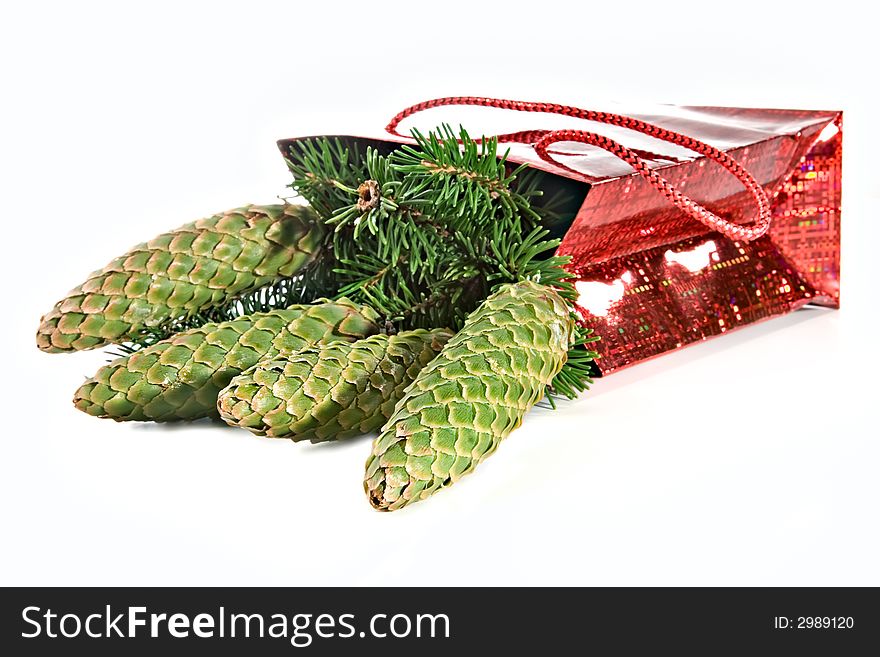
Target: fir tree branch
[(426, 233)]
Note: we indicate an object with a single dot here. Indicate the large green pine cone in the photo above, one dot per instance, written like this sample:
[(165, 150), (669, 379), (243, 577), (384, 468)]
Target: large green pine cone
[(469, 398), (198, 266), (179, 378), (329, 392)]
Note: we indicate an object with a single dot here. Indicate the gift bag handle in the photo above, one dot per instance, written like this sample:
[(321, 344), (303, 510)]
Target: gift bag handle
[(542, 139)]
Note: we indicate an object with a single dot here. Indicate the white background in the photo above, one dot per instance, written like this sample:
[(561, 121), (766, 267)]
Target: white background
[(751, 459)]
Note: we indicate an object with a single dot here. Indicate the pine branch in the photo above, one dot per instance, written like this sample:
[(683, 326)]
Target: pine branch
[(323, 170), (576, 375), (426, 233)]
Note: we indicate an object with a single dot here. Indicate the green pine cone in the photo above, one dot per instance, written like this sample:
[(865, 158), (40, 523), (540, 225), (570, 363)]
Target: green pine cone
[(472, 395), (332, 391), (198, 266), (179, 378)]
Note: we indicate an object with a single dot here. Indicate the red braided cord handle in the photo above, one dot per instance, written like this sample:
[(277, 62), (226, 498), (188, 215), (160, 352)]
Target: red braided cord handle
[(542, 139)]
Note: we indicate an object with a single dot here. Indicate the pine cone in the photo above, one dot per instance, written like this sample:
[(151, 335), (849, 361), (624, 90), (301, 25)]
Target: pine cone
[(472, 395), (179, 378), (329, 392), (198, 266)]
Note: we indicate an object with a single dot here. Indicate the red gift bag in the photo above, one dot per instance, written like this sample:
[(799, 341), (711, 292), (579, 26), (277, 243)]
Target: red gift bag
[(693, 221)]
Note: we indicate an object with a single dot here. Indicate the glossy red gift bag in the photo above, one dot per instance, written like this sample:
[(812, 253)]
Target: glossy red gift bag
[(692, 221)]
